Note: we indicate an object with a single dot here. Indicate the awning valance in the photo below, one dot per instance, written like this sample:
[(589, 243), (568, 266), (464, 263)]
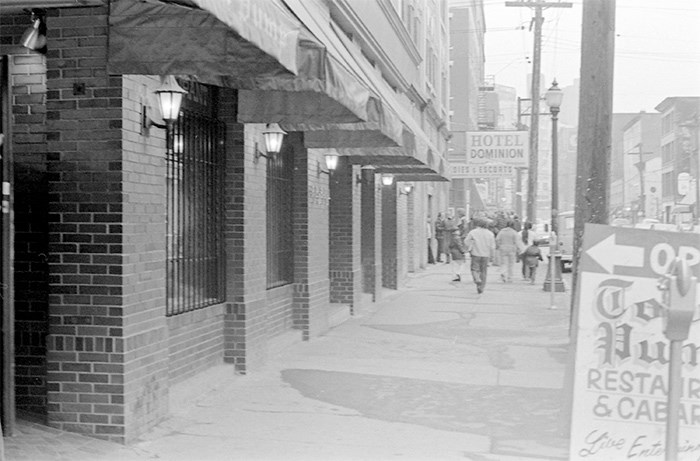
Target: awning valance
[(383, 128), (284, 73), (161, 39)]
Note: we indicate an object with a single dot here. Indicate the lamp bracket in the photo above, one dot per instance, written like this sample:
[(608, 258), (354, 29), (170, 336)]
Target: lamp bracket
[(147, 123), (320, 170), (258, 154)]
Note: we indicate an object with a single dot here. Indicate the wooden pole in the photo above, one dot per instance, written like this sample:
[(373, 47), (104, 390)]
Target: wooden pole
[(535, 98), (593, 149), (595, 121)]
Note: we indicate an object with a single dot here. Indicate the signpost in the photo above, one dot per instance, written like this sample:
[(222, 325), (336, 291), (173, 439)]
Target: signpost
[(621, 379)]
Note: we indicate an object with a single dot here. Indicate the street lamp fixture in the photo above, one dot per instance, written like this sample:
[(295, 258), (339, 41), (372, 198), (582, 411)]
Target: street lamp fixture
[(331, 164), (34, 37), (406, 189), (553, 97), (170, 95), (273, 136), (387, 179)]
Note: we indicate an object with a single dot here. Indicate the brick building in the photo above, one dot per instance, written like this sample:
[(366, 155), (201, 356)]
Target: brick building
[(135, 258)]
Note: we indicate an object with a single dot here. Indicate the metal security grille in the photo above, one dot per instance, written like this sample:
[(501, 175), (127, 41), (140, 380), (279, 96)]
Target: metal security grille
[(280, 237), (195, 213)]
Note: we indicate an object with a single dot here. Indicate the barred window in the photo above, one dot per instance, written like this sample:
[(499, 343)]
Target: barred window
[(195, 212), (280, 241)]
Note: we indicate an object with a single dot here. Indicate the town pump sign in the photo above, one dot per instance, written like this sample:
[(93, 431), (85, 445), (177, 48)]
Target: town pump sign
[(493, 154), (621, 367)]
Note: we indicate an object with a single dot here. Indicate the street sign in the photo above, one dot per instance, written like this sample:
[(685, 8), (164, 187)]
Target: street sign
[(621, 366), (504, 147), (493, 170)]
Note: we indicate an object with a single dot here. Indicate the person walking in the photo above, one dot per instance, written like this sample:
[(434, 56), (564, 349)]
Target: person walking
[(429, 235), (440, 237), (532, 257), (481, 245), (457, 251), (507, 246), (526, 238)]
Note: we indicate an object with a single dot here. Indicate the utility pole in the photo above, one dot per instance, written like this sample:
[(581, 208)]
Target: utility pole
[(595, 121), (535, 95)]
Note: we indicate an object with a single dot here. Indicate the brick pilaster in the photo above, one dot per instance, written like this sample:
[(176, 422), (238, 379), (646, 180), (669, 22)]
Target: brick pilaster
[(310, 221), (390, 237), (345, 270), (107, 348)]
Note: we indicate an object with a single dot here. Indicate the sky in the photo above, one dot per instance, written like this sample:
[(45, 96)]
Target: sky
[(657, 49)]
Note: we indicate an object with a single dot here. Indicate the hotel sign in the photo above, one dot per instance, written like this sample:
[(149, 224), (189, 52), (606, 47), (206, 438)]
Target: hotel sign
[(504, 147)]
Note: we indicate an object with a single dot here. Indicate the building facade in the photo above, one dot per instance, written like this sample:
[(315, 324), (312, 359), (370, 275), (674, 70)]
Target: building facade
[(679, 159), (137, 257)]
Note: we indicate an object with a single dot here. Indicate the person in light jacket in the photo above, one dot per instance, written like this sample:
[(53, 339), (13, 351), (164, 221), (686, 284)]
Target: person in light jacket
[(507, 246), (481, 245)]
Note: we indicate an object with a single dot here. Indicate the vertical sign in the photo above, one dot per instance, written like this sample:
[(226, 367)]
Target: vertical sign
[(621, 365)]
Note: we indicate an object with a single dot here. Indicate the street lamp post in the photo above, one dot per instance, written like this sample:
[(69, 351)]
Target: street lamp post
[(553, 97)]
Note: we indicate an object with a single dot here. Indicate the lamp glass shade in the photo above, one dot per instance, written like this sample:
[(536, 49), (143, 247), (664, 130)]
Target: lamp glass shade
[(554, 96), (407, 188), (170, 98), (274, 135), (32, 38), (331, 161), (387, 179)]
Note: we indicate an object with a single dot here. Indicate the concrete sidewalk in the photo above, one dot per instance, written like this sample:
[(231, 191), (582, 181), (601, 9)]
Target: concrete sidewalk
[(434, 371)]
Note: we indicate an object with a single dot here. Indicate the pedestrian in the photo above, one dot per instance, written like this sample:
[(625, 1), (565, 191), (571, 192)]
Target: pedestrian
[(526, 238), (457, 251), (507, 246), (451, 226), (429, 235), (440, 237), (532, 257), (481, 245)]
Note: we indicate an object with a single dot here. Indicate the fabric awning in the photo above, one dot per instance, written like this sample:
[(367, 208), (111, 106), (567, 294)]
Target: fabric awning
[(283, 72), (383, 128), (415, 154)]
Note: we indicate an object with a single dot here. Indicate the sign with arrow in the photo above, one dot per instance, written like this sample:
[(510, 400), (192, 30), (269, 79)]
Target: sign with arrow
[(620, 379)]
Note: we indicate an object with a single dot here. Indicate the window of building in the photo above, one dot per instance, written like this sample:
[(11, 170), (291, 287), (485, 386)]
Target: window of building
[(280, 241), (667, 184), (194, 205), (666, 123)]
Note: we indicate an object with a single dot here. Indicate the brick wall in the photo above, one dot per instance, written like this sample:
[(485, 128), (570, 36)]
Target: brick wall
[(371, 234), (345, 272), (390, 240), (253, 315), (108, 351), (411, 232), (310, 223), (195, 342)]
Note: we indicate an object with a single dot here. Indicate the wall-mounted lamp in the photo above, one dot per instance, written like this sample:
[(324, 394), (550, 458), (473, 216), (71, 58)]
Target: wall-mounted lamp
[(406, 189), (34, 38), (331, 165), (273, 135), (169, 99), (387, 179)]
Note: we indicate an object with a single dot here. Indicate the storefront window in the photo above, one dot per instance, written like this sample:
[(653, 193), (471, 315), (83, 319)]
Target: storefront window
[(195, 213), (280, 241)]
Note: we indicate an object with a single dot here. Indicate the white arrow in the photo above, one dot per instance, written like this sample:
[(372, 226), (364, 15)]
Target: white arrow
[(608, 254)]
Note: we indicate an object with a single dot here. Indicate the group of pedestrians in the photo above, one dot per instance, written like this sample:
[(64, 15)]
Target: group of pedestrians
[(458, 237)]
